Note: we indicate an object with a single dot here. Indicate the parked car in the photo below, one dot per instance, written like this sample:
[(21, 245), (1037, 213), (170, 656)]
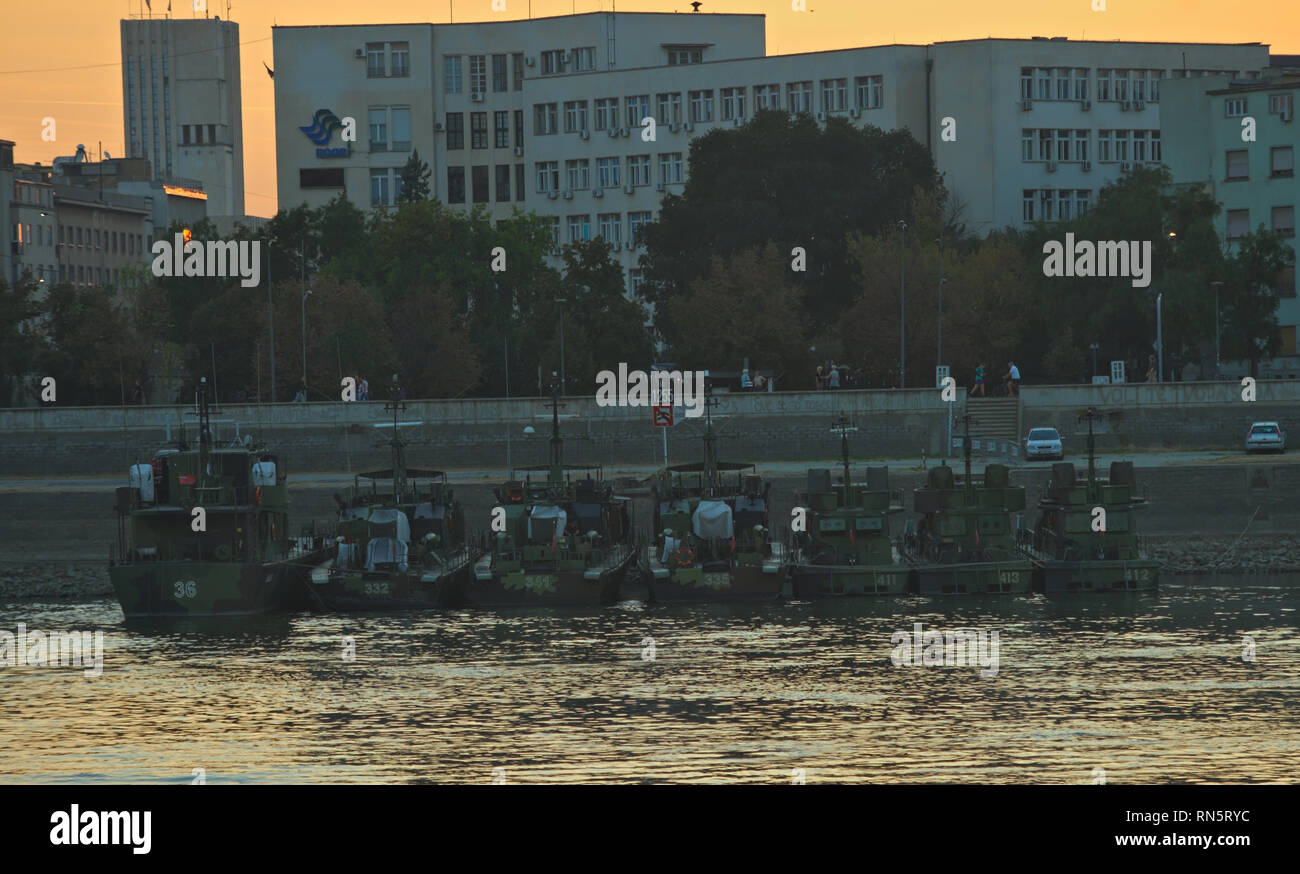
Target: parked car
[(1265, 436), (1044, 443)]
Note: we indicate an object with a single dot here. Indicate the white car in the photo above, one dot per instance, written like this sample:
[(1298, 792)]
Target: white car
[(1044, 443), (1265, 436)]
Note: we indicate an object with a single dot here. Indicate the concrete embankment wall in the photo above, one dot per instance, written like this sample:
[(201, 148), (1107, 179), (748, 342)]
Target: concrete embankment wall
[(473, 433)]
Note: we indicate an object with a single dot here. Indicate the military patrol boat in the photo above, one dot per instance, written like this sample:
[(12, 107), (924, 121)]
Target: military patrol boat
[(401, 548), (846, 548), (963, 543), (558, 541), (205, 532), (1076, 548), (715, 542)]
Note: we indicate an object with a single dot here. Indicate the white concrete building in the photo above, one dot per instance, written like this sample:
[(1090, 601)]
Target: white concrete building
[(182, 106), (545, 114)]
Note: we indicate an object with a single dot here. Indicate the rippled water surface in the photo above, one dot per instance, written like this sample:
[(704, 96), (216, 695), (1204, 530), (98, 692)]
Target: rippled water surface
[(1152, 689)]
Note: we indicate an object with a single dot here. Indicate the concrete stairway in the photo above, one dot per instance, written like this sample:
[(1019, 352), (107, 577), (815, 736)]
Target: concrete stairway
[(994, 417)]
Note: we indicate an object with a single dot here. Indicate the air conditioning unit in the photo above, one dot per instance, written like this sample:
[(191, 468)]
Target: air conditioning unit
[(359, 53), (564, 58), (629, 189), (551, 195), (738, 122), (689, 126), (1026, 104), (1051, 166), (854, 112), (1140, 105), (622, 132), (1287, 114), (821, 116), (1125, 105), (674, 127), (1087, 165), (586, 135), (1086, 105), (568, 195), (659, 186), (631, 245), (476, 96), (437, 126), (1125, 166), (530, 61), (597, 192), (519, 151)]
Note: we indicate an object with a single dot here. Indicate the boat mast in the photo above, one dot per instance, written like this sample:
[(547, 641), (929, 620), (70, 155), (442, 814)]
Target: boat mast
[(557, 445), (844, 426), (201, 401), (710, 449), (396, 404), (1090, 415), (965, 440)]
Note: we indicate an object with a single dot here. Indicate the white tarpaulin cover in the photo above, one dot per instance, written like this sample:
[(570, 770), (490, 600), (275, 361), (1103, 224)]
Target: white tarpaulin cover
[(264, 473), (712, 520), (547, 513), (389, 517), (383, 550), (671, 545), (142, 479)]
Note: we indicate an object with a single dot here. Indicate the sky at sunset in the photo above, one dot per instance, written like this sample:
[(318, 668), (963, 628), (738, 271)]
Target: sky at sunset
[(63, 57)]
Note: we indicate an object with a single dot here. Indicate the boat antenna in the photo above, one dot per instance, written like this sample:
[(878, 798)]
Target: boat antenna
[(967, 419), (396, 405), (843, 426), (710, 450), (201, 401), (1091, 415), (557, 444)]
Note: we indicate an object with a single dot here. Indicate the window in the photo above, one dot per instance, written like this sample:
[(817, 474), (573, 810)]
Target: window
[(1281, 104), (517, 71), (669, 108), (1044, 83), (607, 173), (638, 109), (1064, 198), (519, 182), (1139, 80), (544, 118), (767, 97), (835, 95), (1238, 223), (1026, 90), (870, 90), (478, 74), (548, 176), (1285, 286), (1238, 164), (551, 62), (1046, 205), (375, 60), (1064, 87), (479, 182), (401, 60), (1140, 146), (501, 129), (575, 116), (678, 56), (579, 228), (577, 174), (478, 130), (1119, 85), (611, 227), (635, 222), (1282, 161), (455, 184), (584, 59), (451, 81), (401, 129), (1044, 145), (670, 167), (1156, 154), (1063, 145), (503, 183), (500, 81), (185, 135), (799, 96), (1121, 145), (1234, 107), (1103, 84), (1081, 83), (701, 105), (555, 230), (455, 131), (635, 279), (379, 191), (212, 134), (1153, 85), (327, 177), (606, 113), (1080, 145), (638, 169), (1105, 142), (1284, 220)]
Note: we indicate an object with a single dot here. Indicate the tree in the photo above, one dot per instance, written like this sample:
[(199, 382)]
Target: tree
[(1251, 297), (90, 348), (415, 180), (18, 339), (436, 358)]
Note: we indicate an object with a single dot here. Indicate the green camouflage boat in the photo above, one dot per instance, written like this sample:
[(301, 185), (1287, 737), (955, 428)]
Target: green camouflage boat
[(402, 548), (715, 539), (963, 542), (846, 547), (205, 532), (1076, 548), (558, 541)]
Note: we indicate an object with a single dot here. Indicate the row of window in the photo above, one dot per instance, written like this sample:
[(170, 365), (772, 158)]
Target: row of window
[(478, 129), (1047, 144), (1281, 163), (388, 60), (479, 178), (390, 128), (115, 242), (608, 226), (79, 275), (507, 73), (1051, 205), (1071, 83), (577, 172), (25, 192), (1278, 104), (583, 60), (1283, 221), (198, 131)]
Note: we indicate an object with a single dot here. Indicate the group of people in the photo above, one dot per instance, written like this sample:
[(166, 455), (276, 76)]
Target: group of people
[(828, 376), (1010, 380), (748, 383)]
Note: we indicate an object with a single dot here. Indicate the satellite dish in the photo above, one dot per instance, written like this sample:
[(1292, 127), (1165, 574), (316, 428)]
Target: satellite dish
[(528, 429)]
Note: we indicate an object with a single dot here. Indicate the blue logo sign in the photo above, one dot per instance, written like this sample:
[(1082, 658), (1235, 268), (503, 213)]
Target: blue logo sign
[(323, 124)]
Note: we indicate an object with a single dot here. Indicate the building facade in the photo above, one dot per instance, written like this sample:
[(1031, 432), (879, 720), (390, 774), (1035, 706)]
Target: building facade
[(182, 106), (1209, 129)]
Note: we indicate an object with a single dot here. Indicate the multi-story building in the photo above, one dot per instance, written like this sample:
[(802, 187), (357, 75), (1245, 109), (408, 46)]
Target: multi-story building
[(32, 212), (7, 225), (546, 114), (100, 235), (1238, 139), (181, 103)]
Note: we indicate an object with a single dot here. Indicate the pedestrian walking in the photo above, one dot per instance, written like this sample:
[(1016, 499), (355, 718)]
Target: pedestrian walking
[(979, 381), (1013, 376), (834, 378), (364, 393)]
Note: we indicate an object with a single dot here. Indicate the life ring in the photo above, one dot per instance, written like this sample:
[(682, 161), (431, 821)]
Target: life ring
[(222, 552), (685, 557)]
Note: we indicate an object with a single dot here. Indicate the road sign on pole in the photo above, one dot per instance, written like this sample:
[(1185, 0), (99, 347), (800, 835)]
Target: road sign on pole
[(663, 415)]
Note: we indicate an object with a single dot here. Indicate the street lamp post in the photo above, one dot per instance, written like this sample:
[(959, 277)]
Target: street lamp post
[(305, 294), (1160, 342), (902, 321), (1094, 347), (939, 362), (270, 316), (563, 383), (1217, 285)]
